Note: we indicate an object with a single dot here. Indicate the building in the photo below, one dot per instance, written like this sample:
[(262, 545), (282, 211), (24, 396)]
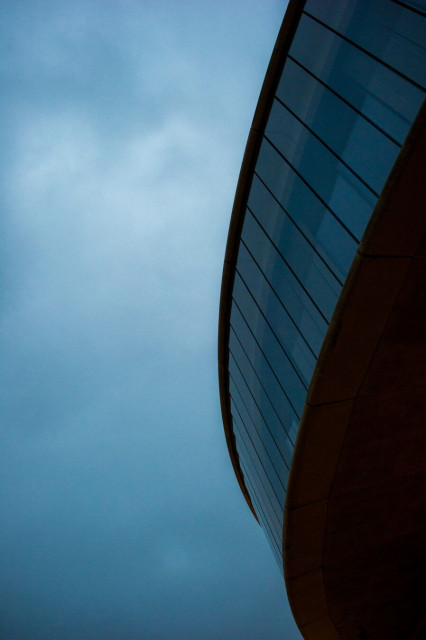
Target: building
[(322, 348)]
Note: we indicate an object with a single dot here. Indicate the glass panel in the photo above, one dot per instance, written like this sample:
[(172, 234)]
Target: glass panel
[(274, 541), (266, 408), (266, 374), (261, 490), (260, 431), (277, 316), (419, 5), (304, 263), (284, 371), (387, 30), (274, 538), (296, 300), (365, 149), (250, 454), (389, 100), (306, 153)]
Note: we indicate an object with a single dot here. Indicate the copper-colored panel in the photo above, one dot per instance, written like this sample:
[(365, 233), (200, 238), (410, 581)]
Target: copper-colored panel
[(320, 629), (386, 440), (307, 588), (304, 548), (400, 361), (317, 451), (358, 322)]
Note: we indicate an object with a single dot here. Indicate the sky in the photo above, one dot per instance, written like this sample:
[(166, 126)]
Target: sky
[(123, 126)]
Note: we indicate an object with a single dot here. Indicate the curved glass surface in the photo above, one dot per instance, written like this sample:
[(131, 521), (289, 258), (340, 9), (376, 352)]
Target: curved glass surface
[(341, 112)]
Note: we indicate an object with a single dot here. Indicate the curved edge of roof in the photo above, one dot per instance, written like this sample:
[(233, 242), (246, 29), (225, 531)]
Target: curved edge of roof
[(270, 83), (395, 237)]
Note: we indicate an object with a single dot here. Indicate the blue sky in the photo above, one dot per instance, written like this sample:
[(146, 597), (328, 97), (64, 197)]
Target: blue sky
[(123, 126)]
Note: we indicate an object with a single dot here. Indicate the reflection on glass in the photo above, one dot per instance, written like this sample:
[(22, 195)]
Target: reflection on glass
[(386, 30), (382, 95)]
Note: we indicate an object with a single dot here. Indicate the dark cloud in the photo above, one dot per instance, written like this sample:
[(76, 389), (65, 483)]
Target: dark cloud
[(123, 130)]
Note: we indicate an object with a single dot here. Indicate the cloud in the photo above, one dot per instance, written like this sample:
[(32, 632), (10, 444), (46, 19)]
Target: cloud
[(123, 132), (133, 218)]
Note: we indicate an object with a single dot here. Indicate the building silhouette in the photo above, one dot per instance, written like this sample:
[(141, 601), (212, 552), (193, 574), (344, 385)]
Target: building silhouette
[(322, 348)]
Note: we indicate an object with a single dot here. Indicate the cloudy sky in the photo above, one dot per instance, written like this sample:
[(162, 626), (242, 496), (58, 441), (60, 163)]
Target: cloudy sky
[(123, 125)]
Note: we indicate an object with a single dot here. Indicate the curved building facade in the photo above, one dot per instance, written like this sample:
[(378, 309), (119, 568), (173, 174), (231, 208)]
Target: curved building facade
[(326, 235)]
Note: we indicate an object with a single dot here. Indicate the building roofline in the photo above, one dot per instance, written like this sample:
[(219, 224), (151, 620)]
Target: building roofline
[(270, 83)]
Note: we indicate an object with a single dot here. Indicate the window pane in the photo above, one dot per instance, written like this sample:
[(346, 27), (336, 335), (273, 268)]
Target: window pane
[(365, 149), (389, 100), (277, 316), (306, 153), (266, 374), (263, 402), (283, 368), (387, 30), (301, 259)]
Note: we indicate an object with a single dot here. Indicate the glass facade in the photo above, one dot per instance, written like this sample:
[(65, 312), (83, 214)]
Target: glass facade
[(350, 88)]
